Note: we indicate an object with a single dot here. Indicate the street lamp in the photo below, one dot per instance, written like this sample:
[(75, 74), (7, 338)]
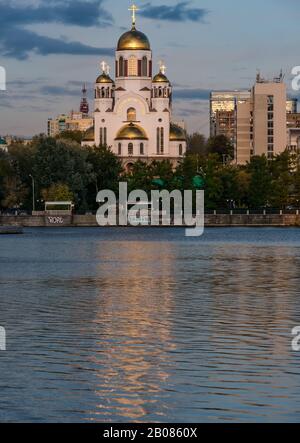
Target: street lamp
[(33, 193)]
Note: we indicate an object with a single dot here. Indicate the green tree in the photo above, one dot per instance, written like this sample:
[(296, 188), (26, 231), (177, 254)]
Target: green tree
[(260, 185), (57, 192), (140, 177), (105, 172), (21, 159), (221, 146), (162, 170), (214, 185), (63, 161), (196, 144), (282, 180), (15, 192), (76, 136)]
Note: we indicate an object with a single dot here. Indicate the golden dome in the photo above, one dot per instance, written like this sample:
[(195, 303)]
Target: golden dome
[(160, 78), (131, 132), (133, 40), (89, 135), (177, 133), (104, 78)]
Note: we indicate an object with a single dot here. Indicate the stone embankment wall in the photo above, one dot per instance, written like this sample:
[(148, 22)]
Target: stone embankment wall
[(210, 220)]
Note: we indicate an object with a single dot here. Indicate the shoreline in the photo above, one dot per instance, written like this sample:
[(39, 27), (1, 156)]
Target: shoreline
[(10, 223)]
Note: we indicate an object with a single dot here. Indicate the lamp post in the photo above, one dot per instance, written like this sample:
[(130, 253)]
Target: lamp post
[(33, 193)]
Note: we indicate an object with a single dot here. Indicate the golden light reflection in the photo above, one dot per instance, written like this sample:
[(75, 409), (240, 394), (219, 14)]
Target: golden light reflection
[(135, 339)]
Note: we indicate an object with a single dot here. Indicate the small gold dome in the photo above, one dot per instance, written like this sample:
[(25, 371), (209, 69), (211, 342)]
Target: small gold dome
[(131, 132), (89, 135), (133, 40), (177, 133), (160, 78), (104, 78)]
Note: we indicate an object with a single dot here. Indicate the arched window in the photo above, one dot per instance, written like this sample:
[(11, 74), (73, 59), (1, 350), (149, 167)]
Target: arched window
[(103, 136), (132, 66), (180, 150), (130, 149), (121, 67), (157, 141), (131, 115), (144, 66), (161, 140), (120, 149), (142, 149)]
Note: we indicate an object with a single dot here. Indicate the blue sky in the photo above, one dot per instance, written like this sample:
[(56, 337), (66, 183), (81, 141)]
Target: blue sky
[(49, 48)]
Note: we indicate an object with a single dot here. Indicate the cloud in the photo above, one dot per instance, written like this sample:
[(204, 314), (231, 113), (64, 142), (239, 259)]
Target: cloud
[(191, 94), (178, 13), (18, 42), (78, 12)]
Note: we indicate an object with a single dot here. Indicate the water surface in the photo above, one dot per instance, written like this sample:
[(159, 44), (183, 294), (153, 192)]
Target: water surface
[(146, 325)]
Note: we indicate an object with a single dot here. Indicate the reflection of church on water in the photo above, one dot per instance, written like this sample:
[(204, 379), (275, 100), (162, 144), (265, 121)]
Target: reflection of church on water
[(134, 338), (133, 112)]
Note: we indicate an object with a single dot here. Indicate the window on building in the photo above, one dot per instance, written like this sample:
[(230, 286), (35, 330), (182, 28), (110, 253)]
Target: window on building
[(120, 149), (157, 141), (142, 148), (180, 150), (121, 67), (101, 136), (144, 66), (132, 66), (161, 140), (105, 136), (130, 149), (131, 115)]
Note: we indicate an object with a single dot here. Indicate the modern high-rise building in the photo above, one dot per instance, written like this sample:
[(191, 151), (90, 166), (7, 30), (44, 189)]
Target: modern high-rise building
[(293, 126), (222, 111), (75, 121), (254, 120), (291, 105)]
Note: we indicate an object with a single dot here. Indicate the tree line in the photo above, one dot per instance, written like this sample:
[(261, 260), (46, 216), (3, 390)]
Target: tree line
[(63, 170)]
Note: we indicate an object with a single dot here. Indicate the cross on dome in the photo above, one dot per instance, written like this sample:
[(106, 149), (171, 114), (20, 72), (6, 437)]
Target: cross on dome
[(162, 67), (133, 9), (103, 66)]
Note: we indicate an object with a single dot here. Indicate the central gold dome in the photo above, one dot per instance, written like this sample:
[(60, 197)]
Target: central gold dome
[(131, 132), (133, 40)]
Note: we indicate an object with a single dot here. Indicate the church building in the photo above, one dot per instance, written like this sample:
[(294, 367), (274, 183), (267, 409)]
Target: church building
[(133, 113)]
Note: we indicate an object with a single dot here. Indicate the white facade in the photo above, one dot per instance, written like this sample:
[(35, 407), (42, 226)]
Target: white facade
[(132, 114)]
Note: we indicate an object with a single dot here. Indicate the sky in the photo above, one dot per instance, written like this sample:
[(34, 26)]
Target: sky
[(49, 48)]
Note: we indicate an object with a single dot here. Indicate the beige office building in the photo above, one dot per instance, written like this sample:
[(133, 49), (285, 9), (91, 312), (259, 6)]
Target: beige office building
[(75, 121), (269, 117), (254, 120)]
